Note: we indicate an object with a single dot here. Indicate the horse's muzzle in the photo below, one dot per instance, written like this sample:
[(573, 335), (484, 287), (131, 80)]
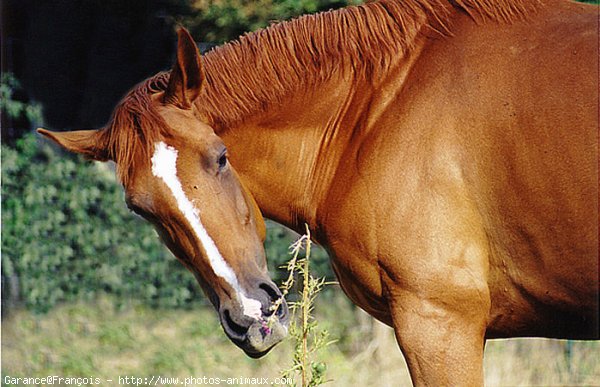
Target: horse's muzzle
[(257, 335)]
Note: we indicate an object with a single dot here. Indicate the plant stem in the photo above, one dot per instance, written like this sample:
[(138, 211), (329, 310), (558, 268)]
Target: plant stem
[(305, 308)]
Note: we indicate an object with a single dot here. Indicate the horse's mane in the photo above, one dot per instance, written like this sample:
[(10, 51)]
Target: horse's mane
[(246, 76)]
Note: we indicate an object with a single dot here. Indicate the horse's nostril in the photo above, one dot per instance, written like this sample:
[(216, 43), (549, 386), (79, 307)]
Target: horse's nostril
[(280, 311), (234, 327), (271, 290), (275, 298)]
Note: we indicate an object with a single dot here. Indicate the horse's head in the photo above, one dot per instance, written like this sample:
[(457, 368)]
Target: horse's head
[(175, 172)]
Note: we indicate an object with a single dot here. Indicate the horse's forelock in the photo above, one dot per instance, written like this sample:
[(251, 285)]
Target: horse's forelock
[(135, 127)]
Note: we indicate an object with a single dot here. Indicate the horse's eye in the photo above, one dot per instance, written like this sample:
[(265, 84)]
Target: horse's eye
[(222, 160)]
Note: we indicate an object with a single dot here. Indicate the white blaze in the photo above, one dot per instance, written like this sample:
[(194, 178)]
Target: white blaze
[(164, 166), (251, 307)]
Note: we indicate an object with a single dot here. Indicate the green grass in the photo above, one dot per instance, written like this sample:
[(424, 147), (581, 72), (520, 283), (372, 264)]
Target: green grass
[(97, 339)]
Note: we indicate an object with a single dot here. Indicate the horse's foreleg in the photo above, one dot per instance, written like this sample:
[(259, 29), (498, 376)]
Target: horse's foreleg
[(442, 341)]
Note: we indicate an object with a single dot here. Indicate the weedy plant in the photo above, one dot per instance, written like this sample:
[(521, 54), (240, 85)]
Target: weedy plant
[(304, 329)]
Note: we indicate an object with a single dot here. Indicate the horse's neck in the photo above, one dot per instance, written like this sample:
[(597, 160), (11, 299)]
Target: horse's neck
[(288, 156)]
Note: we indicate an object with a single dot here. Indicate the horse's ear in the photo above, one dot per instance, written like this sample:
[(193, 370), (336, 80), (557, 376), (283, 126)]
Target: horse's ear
[(85, 142), (187, 75)]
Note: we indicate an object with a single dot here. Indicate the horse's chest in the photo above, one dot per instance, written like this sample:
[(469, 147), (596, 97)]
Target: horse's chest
[(361, 282)]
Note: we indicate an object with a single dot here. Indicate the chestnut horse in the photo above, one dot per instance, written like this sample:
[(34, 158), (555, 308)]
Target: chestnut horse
[(445, 153)]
